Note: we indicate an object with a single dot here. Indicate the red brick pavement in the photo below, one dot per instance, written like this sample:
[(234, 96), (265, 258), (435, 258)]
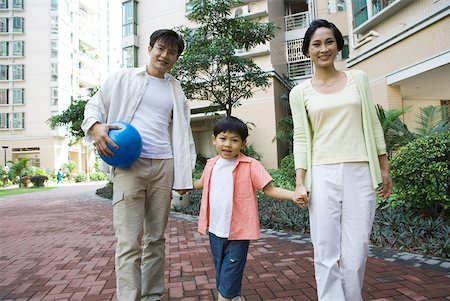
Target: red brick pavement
[(59, 245)]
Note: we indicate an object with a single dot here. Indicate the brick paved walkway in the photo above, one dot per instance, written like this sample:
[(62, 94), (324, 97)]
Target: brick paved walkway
[(59, 245)]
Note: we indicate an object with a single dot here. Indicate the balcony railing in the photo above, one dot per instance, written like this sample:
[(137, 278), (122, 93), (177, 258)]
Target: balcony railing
[(299, 65), (297, 21)]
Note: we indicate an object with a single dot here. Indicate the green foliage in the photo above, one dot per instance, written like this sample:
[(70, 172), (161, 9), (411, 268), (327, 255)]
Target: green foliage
[(38, 180), (250, 151), (68, 168), (420, 172), (72, 117), (404, 229), (106, 192), (20, 168), (37, 171), (98, 176), (199, 166), (4, 179), (432, 120), (285, 126), (282, 215), (24, 181), (80, 177), (396, 133), (209, 68), (285, 176)]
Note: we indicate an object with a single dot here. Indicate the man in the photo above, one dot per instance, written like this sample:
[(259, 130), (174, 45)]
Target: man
[(154, 103)]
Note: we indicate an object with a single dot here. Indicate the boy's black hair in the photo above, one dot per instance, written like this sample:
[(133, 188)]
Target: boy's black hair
[(312, 29), (230, 124), (167, 37)]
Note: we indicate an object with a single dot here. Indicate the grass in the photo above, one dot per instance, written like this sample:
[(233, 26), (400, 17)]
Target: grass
[(12, 191)]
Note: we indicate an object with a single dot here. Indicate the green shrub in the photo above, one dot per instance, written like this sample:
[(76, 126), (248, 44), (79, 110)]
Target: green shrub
[(199, 166), (420, 173), (98, 176), (37, 171), (80, 177), (38, 181), (250, 151), (24, 181), (405, 230), (106, 192), (282, 215)]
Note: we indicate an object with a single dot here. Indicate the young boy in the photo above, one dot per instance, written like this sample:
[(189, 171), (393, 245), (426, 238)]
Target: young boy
[(229, 208)]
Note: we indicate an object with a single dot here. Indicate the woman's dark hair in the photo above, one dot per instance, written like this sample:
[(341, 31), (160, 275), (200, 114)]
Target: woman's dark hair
[(167, 37), (230, 124), (312, 29)]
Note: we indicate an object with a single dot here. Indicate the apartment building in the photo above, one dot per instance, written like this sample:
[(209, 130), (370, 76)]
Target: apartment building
[(404, 46), (49, 55), (396, 57)]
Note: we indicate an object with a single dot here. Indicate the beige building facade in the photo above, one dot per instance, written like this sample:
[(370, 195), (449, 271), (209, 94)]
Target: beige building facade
[(404, 46), (49, 55)]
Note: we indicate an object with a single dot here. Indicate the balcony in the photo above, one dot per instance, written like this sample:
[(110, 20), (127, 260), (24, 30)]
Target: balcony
[(296, 25), (299, 66)]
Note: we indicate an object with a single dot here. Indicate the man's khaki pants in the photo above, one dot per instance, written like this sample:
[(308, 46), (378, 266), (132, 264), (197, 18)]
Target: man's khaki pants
[(142, 196)]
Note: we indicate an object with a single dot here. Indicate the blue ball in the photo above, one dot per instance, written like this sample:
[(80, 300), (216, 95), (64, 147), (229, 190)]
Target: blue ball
[(130, 145)]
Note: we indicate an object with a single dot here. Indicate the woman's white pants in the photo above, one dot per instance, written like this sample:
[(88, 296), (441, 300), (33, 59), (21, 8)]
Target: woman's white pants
[(341, 212)]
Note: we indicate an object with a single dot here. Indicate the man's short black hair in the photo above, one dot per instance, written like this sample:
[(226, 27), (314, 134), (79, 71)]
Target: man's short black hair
[(312, 29), (230, 124), (167, 37)]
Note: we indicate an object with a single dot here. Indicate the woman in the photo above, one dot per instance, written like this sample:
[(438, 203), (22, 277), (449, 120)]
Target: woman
[(340, 158)]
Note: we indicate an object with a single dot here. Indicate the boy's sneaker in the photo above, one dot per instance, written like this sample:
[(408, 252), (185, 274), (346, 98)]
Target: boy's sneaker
[(237, 298)]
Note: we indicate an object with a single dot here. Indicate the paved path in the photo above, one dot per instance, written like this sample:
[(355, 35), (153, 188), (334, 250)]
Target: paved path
[(59, 245)]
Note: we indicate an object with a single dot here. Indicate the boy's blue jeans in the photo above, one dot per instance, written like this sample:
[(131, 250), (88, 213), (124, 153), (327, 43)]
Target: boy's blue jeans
[(229, 258)]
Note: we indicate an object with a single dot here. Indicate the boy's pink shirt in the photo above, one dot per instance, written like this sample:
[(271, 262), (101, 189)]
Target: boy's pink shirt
[(248, 176)]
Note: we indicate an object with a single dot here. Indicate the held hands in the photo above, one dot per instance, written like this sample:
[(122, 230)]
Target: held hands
[(99, 132), (300, 197)]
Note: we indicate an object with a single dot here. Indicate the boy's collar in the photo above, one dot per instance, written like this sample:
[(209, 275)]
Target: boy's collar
[(239, 158)]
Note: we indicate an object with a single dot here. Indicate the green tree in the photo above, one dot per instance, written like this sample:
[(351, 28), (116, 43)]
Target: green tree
[(209, 69), (72, 118)]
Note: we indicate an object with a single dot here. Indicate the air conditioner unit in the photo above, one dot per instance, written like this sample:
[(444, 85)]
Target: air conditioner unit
[(242, 11)]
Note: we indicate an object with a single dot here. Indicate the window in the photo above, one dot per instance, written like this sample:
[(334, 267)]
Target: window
[(54, 5), (17, 48), (54, 72), (129, 57), (18, 120), (3, 4), (54, 48), (379, 5), (54, 96), (345, 52), (17, 96), (18, 24), (4, 72), (4, 47), (3, 24), (4, 96), (54, 20), (17, 4), (336, 6), (18, 72), (129, 11), (359, 12), (4, 120)]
